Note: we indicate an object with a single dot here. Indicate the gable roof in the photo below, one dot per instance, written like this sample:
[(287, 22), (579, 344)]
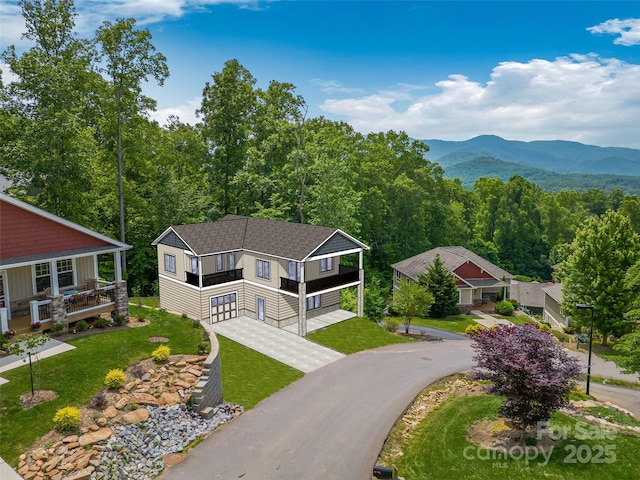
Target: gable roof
[(528, 294), (29, 234), (294, 241), (452, 258), (554, 291)]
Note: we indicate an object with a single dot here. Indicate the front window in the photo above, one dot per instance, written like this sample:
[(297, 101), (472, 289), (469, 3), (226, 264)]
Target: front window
[(169, 263), (314, 302), (43, 276), (326, 265), (194, 265), (65, 272), (263, 269), (232, 261), (219, 263), (294, 271)]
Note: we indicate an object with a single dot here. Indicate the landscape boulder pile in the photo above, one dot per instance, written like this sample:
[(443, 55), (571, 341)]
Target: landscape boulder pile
[(134, 428)]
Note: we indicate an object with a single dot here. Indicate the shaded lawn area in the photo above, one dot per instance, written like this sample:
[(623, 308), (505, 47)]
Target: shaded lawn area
[(450, 324), (355, 335), (518, 319), (153, 302), (249, 377), (437, 449)]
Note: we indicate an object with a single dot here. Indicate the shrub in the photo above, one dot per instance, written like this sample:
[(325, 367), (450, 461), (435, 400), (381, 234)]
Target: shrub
[(570, 330), (391, 324), (119, 320), (66, 418), (473, 330), (161, 353), (81, 325), (115, 378), (513, 302), (505, 308), (101, 323), (57, 328), (100, 400)]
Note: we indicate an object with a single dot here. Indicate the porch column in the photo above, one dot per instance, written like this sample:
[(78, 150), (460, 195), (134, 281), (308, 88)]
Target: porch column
[(57, 310), (200, 272), (4, 320), (55, 287), (302, 304), (360, 309), (121, 298), (117, 261), (96, 272)]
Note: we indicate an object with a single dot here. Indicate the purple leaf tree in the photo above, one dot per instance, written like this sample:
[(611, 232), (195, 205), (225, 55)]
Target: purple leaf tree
[(528, 367)]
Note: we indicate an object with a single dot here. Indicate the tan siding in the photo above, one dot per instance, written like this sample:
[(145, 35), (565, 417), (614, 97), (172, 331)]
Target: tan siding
[(249, 272), (209, 264), (180, 261), (179, 298), (252, 292), (288, 307), (313, 269), (20, 283), (331, 298), (84, 269)]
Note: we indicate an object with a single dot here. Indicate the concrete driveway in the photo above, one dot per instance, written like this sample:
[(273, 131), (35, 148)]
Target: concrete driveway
[(331, 423)]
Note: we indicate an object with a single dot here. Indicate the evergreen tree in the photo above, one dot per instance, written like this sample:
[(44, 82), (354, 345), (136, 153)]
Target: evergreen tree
[(439, 280)]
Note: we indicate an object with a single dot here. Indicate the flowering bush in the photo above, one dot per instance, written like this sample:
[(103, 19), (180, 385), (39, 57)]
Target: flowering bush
[(66, 418), (115, 378), (161, 353)]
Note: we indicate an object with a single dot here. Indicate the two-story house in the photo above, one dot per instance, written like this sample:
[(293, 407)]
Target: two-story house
[(281, 273)]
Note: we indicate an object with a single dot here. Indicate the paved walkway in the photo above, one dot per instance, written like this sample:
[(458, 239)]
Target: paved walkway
[(488, 320), (279, 344), (51, 348)]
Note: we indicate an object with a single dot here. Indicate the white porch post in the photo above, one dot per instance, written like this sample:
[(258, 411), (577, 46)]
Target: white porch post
[(96, 273), (117, 261), (4, 319), (55, 287), (302, 304), (33, 310), (200, 272), (360, 308)]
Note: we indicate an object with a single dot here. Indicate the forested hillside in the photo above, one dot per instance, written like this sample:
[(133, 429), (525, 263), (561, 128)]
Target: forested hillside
[(76, 139)]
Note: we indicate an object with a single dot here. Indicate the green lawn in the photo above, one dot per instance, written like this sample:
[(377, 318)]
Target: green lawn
[(437, 450), (450, 324), (248, 376), (153, 302), (354, 335), (76, 376)]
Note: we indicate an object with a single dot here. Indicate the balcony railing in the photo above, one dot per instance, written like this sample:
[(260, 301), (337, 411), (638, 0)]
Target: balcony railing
[(215, 278), (88, 299), (345, 276)]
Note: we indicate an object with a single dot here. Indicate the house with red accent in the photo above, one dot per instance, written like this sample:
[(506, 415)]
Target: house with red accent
[(49, 269), (280, 273), (478, 280)]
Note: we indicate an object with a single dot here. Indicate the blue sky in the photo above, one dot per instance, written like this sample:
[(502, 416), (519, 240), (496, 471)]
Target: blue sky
[(447, 69)]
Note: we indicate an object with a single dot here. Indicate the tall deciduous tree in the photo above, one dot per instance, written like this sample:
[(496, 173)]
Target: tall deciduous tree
[(130, 58), (594, 273), (46, 150), (411, 300), (528, 367), (442, 284), (228, 112)]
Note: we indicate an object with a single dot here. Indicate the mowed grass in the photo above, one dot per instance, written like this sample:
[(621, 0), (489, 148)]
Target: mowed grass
[(249, 377), (153, 302), (355, 335), (450, 324), (437, 449)]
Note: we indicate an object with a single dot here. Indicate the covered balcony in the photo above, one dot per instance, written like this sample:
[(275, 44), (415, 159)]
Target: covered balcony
[(214, 278), (345, 276)]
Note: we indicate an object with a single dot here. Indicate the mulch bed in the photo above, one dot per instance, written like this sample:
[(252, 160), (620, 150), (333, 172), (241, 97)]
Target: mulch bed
[(39, 396)]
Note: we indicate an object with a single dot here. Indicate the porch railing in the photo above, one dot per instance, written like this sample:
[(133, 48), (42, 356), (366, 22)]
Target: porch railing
[(215, 278), (344, 276), (44, 310), (88, 299)]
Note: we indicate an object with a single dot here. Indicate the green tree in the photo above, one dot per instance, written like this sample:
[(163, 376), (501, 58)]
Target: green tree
[(411, 300), (130, 58), (442, 284), (629, 346), (228, 112), (603, 251), (47, 150)]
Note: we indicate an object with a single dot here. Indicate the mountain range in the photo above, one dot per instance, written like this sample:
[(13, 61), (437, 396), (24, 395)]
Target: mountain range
[(554, 165)]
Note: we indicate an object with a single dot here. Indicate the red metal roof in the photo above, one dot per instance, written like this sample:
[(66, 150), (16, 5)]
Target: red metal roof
[(24, 232)]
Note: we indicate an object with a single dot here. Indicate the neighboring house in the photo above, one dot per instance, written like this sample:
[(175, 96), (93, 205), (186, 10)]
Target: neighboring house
[(49, 269), (281, 273), (552, 303), (477, 279), (530, 295)]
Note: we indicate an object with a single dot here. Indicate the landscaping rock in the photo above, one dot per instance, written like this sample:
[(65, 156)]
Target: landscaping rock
[(95, 437), (136, 416), (110, 412)]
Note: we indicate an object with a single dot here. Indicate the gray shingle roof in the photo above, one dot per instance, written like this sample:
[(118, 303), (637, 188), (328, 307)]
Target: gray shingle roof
[(528, 294), (452, 258), (554, 291), (294, 241)]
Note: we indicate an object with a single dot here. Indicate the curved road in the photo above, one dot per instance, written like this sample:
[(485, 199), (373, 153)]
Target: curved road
[(331, 423)]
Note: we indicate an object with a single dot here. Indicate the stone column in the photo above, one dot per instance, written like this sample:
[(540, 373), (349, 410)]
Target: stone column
[(4, 319), (360, 309), (57, 310), (302, 309), (121, 298)]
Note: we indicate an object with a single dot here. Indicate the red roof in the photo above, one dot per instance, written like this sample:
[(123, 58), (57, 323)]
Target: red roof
[(25, 232)]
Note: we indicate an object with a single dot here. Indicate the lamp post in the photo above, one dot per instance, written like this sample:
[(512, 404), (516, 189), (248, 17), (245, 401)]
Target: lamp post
[(583, 306)]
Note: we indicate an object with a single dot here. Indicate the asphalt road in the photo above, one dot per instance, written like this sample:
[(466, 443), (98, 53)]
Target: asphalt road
[(624, 397), (331, 423)]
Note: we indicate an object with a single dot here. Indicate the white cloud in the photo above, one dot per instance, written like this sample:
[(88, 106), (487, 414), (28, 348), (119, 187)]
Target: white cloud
[(628, 29), (583, 98), (185, 112), (331, 87), (7, 74)]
